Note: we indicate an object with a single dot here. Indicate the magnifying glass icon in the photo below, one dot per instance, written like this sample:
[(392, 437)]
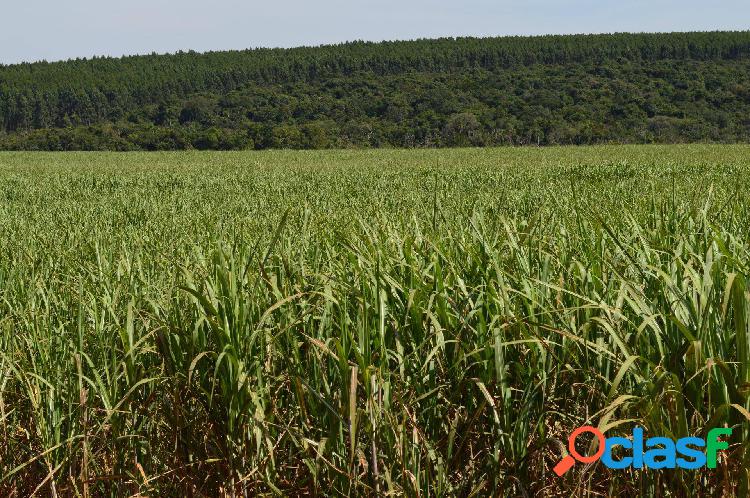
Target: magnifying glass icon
[(567, 463)]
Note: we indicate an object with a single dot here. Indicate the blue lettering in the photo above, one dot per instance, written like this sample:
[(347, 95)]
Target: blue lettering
[(656, 452), (638, 447), (668, 453), (698, 457), (607, 459)]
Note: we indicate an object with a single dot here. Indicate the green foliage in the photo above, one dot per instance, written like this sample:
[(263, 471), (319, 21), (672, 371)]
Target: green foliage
[(583, 89), (421, 323)]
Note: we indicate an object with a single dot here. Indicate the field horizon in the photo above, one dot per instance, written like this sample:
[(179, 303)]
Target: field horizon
[(637, 88)]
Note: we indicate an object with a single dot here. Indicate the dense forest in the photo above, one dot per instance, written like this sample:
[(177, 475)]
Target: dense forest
[(582, 89)]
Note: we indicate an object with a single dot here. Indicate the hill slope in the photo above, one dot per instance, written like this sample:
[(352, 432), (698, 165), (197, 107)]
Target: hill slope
[(579, 89)]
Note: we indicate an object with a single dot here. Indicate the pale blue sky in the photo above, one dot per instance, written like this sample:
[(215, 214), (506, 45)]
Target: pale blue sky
[(60, 29)]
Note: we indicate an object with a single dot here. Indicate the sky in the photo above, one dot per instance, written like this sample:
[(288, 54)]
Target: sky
[(32, 30)]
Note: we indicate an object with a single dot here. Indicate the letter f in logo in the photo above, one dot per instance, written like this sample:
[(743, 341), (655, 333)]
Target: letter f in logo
[(713, 445)]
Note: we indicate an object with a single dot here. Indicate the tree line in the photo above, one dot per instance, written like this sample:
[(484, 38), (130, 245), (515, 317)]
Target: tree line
[(579, 89)]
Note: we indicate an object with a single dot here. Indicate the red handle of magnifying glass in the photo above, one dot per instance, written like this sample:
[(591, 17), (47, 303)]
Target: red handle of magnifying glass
[(564, 465)]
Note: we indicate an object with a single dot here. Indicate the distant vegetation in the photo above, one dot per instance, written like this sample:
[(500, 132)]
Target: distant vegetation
[(625, 88)]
